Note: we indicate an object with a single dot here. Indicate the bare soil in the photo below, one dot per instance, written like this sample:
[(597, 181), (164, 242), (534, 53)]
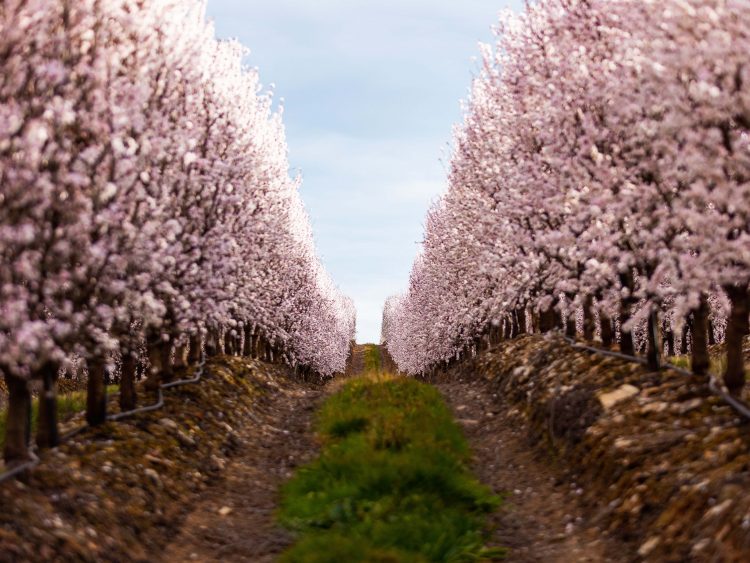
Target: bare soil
[(235, 519), (540, 519)]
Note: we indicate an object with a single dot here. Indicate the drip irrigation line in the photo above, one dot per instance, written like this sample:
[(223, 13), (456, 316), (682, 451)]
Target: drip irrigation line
[(19, 469), (34, 459), (160, 398), (715, 386)]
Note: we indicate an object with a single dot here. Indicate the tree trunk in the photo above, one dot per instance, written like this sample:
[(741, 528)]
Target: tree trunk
[(547, 320), (699, 350), (570, 326), (128, 396), (194, 356), (737, 328), (521, 313), (711, 335), (96, 392), (653, 352), (47, 434), (153, 379), (514, 329), (507, 328), (167, 372), (17, 421), (248, 345), (589, 323), (212, 343), (626, 336), (607, 332)]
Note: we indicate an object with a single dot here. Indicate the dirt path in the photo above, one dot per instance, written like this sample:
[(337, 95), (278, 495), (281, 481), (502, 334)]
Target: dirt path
[(540, 519), (357, 364), (234, 520)]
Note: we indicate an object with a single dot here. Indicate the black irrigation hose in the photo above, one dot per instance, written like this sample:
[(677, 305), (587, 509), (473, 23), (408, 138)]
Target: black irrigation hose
[(713, 383), (34, 461), (19, 469)]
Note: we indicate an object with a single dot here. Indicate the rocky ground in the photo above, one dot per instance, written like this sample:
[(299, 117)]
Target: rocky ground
[(235, 519), (120, 492), (598, 458), (541, 519), (654, 459)]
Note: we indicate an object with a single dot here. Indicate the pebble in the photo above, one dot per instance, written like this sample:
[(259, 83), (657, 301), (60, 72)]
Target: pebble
[(168, 423), (649, 546), (225, 511), (154, 476)]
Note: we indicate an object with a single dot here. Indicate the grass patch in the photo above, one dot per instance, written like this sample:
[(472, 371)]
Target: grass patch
[(717, 366), (391, 483), (373, 363), (68, 405)]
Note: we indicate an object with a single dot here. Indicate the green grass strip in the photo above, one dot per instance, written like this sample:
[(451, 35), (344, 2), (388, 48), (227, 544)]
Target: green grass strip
[(373, 362), (391, 483)]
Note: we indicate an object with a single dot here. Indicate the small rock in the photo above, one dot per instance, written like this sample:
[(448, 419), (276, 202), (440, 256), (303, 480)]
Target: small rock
[(687, 406), (154, 476), (700, 546), (168, 423), (461, 408), (468, 421), (225, 511), (185, 440), (649, 546), (626, 391), (623, 443), (719, 509), (655, 407), (217, 463)]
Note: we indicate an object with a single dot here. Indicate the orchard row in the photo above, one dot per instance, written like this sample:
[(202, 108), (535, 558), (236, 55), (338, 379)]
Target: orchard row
[(601, 175), (146, 202)]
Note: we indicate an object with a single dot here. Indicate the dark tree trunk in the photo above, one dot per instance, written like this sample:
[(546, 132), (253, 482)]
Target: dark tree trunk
[(167, 372), (17, 421), (96, 393), (699, 338), (605, 325), (570, 326), (514, 328), (128, 396), (153, 377), (653, 351), (507, 328), (194, 356), (212, 343), (626, 336), (549, 319), (737, 328), (711, 335), (589, 322), (248, 344), (521, 315), (47, 434)]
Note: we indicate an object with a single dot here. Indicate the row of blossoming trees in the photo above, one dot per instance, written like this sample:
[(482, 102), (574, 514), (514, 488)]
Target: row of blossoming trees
[(146, 207), (600, 182)]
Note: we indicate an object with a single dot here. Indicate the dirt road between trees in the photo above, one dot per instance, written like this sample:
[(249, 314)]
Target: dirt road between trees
[(234, 520), (539, 520)]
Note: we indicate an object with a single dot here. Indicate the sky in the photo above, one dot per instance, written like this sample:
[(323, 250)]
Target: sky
[(371, 92)]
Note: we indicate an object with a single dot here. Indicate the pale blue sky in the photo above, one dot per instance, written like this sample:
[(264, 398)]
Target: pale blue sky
[(371, 92)]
